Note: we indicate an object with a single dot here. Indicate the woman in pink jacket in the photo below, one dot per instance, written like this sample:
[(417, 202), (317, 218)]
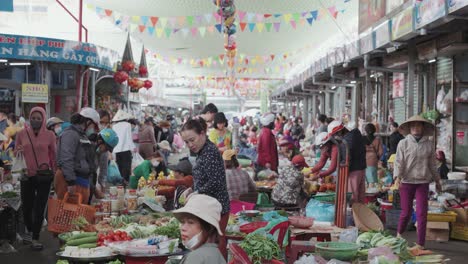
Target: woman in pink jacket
[(37, 144), (267, 149)]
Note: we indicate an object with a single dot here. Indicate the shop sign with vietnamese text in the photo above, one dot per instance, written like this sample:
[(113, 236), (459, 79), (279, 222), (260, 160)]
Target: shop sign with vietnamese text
[(57, 50), (398, 85), (454, 5), (367, 43), (402, 24), (34, 93), (382, 34), (428, 11)]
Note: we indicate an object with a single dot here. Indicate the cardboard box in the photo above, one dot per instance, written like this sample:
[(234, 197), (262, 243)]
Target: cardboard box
[(459, 231), (437, 231)]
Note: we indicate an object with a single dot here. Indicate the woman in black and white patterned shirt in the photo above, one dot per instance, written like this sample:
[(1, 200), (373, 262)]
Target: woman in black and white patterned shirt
[(209, 175)]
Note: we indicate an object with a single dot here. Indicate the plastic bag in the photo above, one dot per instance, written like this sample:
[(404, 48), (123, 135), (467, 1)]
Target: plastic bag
[(382, 255), (113, 173), (440, 99), (446, 106), (349, 235), (320, 211), (18, 168), (136, 160)]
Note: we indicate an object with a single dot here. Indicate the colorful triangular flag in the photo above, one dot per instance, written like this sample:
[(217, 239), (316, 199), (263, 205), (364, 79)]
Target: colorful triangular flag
[(260, 27), (208, 17), (211, 28), (150, 30), (293, 23), (296, 17), (190, 20), (267, 15), (154, 20), (242, 26), (310, 20), (181, 21), (159, 32), (144, 20), (133, 27), (250, 17), (241, 15), (185, 32), (314, 14), (251, 27), (168, 32), (219, 27), (202, 31), (333, 11), (194, 31), (173, 21), (135, 19), (277, 26), (141, 28), (277, 15), (268, 26), (260, 17), (108, 12), (199, 19), (163, 21), (287, 17)]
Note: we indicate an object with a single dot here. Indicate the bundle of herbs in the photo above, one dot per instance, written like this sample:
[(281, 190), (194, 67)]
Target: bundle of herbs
[(260, 247)]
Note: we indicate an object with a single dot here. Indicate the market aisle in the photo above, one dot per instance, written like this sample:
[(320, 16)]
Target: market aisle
[(25, 255)]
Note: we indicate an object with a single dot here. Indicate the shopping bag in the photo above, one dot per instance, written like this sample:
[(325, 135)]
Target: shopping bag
[(113, 173), (19, 168), (323, 212), (136, 160)]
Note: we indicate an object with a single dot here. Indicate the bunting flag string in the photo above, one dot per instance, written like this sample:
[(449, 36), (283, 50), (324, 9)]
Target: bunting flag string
[(241, 59), (199, 25)]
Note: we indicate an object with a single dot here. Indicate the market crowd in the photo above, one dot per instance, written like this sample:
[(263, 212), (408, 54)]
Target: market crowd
[(219, 162)]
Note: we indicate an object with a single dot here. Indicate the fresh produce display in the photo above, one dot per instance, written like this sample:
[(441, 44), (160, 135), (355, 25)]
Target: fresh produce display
[(84, 239), (171, 229), (81, 224), (327, 187), (121, 221), (399, 246), (73, 251), (8, 194), (112, 236), (265, 184), (260, 247)]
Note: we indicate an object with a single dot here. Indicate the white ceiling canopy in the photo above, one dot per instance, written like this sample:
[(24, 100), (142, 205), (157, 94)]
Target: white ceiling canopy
[(296, 43)]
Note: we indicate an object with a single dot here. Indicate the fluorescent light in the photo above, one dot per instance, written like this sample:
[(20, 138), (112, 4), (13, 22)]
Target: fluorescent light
[(94, 69), (3, 60), (353, 82), (372, 76), (432, 61), (333, 88), (19, 63), (144, 105)]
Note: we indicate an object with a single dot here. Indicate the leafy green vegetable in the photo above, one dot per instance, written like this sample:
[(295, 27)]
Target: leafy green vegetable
[(115, 262), (171, 229), (62, 261), (9, 194), (260, 247)]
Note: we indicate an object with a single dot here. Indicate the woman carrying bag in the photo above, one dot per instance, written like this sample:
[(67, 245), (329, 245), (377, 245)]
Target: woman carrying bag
[(37, 145)]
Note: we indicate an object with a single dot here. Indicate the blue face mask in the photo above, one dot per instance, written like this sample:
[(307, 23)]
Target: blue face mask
[(90, 131)]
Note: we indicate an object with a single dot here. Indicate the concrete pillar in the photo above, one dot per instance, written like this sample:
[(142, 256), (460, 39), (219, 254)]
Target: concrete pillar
[(368, 98), (328, 106), (305, 111), (355, 104), (411, 79)]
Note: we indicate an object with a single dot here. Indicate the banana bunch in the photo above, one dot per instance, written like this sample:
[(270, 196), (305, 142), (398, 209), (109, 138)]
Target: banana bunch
[(161, 176), (171, 176), (151, 178), (141, 182)]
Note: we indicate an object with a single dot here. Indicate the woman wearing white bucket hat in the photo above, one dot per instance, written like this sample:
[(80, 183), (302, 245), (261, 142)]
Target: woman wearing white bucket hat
[(199, 229), (267, 148)]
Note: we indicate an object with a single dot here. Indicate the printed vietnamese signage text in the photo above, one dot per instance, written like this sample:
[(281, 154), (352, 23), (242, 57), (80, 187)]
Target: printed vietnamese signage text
[(34, 93), (382, 34), (57, 50), (370, 11), (398, 85), (428, 11), (367, 44), (454, 5), (402, 24)]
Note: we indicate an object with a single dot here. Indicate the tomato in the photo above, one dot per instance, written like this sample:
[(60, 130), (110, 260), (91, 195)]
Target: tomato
[(118, 233), (110, 232)]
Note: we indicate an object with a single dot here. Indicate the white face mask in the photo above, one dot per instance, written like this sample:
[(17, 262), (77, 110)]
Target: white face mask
[(194, 241), (155, 163), (165, 130), (58, 131)]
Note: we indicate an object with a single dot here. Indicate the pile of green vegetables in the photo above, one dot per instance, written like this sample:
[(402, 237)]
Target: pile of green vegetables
[(8, 194), (399, 246), (260, 247), (121, 221), (170, 230), (82, 240)]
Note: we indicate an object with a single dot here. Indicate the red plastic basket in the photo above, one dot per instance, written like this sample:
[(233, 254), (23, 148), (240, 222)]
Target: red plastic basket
[(250, 227)]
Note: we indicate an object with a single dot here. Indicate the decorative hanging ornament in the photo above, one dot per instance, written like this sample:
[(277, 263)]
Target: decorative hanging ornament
[(148, 84), (140, 84), (142, 71), (128, 66), (120, 77)]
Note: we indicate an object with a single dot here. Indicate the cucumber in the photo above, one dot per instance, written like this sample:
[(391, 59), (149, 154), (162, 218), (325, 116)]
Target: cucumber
[(80, 241), (88, 245), (82, 235)]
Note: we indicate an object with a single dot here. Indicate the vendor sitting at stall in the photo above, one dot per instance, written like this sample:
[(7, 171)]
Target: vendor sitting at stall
[(182, 180), (288, 188), (238, 181), (199, 229), (328, 150), (287, 151), (153, 163)]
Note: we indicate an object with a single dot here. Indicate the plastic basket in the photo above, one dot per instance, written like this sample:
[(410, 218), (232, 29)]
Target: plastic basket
[(61, 213), (459, 231), (442, 217), (249, 228), (392, 217), (396, 200), (337, 250)]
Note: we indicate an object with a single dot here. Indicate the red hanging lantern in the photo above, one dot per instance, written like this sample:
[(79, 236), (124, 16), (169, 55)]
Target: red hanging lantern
[(148, 84), (142, 70), (120, 77), (128, 66)]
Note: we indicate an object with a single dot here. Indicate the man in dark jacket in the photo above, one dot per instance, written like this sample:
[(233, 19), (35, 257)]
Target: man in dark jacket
[(394, 139)]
